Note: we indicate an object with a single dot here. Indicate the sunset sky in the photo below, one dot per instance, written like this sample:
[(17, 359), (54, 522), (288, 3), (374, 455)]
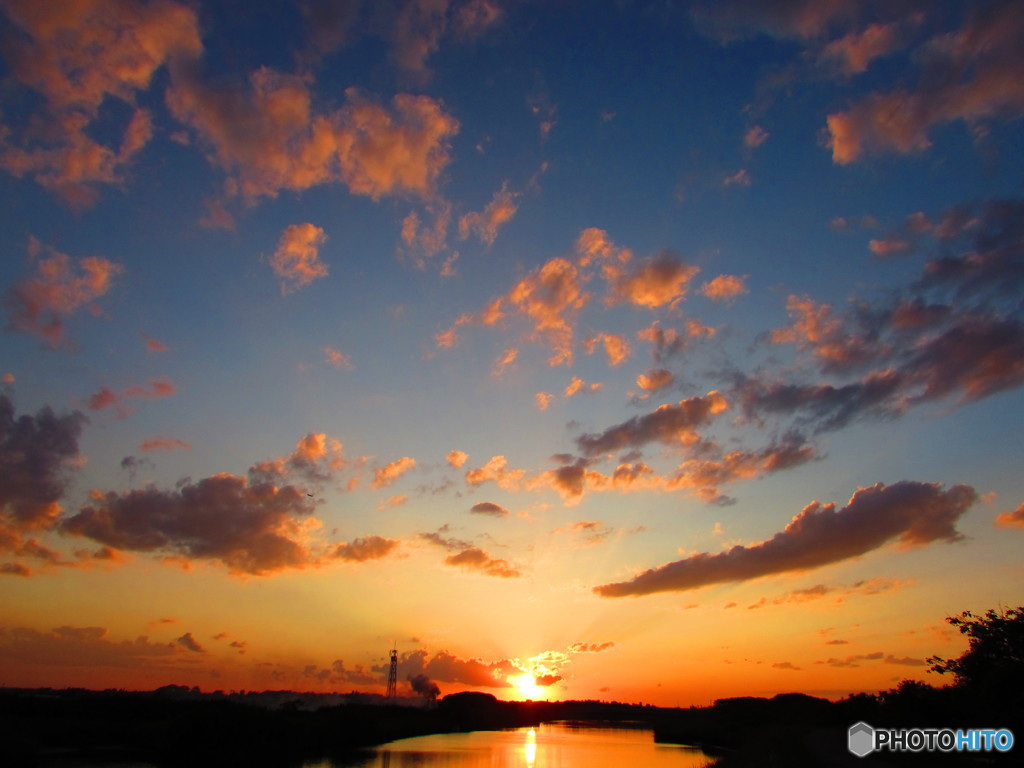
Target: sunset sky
[(638, 351)]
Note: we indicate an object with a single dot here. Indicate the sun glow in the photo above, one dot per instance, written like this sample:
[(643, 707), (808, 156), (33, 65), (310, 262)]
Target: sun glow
[(528, 687)]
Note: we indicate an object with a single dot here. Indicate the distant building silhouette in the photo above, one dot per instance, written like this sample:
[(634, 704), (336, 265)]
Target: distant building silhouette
[(392, 691)]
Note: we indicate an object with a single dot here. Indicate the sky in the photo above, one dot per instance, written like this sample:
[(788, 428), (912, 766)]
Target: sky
[(635, 351)]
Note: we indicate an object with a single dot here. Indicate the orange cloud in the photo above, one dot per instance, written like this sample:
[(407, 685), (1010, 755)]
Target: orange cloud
[(543, 400), (550, 297), (615, 346), (657, 281), (476, 559), (373, 150), (164, 444), (853, 52), (502, 363), (104, 398), (369, 548), (296, 262), (577, 385), (910, 513), (969, 75), (724, 287), (423, 240), (456, 458), (486, 223), (1013, 519), (495, 471), (387, 474), (655, 379), (77, 54), (39, 304)]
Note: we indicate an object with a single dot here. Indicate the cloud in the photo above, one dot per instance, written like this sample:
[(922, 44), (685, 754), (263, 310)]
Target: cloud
[(1013, 519), (786, 665), (189, 643), (615, 346), (164, 444), (337, 359), (61, 286), (853, 52), (838, 593), (725, 287), (728, 20), (36, 453), (267, 138), (152, 345), (508, 358), (590, 647), (968, 75), (655, 379), (155, 390), (543, 400), (84, 648), (578, 385), (889, 246), (77, 56), (476, 559), (739, 179), (425, 240), (655, 282), (495, 471), (369, 548), (296, 262), (486, 223), (489, 508), (316, 458), (550, 297), (456, 458), (911, 513), (591, 531), (250, 526), (755, 136), (668, 424), (448, 668), (390, 472)]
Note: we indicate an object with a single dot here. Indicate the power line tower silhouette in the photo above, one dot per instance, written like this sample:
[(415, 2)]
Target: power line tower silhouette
[(393, 675)]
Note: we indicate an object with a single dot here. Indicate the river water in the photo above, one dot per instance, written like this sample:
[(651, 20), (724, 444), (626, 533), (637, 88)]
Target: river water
[(549, 745)]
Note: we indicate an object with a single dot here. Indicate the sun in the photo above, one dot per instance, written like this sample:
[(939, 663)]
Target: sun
[(527, 686)]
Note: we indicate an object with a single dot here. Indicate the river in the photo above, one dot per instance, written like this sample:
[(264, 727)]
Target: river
[(549, 745)]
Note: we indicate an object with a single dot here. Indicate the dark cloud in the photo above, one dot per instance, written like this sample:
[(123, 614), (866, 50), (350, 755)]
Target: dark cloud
[(547, 680), (489, 508), (252, 527), (35, 455), (669, 424), (447, 668), (910, 513), (188, 642)]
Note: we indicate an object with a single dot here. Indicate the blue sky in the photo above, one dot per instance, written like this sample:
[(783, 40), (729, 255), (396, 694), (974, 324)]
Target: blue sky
[(532, 337)]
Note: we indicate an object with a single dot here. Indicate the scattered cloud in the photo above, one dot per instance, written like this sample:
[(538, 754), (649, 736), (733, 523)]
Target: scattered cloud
[(475, 558), (60, 286), (485, 224), (655, 380), (338, 359), (456, 458), (507, 359), (296, 262), (390, 472), (543, 400), (369, 548), (164, 444), (725, 287), (106, 398), (152, 345), (578, 385), (755, 136)]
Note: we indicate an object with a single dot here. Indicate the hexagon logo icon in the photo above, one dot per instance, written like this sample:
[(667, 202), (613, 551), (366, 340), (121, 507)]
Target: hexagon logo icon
[(860, 739)]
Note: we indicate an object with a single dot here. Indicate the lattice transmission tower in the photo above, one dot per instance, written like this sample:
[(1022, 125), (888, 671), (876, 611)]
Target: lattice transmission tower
[(393, 675)]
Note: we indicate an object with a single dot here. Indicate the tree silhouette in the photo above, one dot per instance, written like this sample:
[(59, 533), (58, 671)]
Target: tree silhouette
[(991, 670)]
